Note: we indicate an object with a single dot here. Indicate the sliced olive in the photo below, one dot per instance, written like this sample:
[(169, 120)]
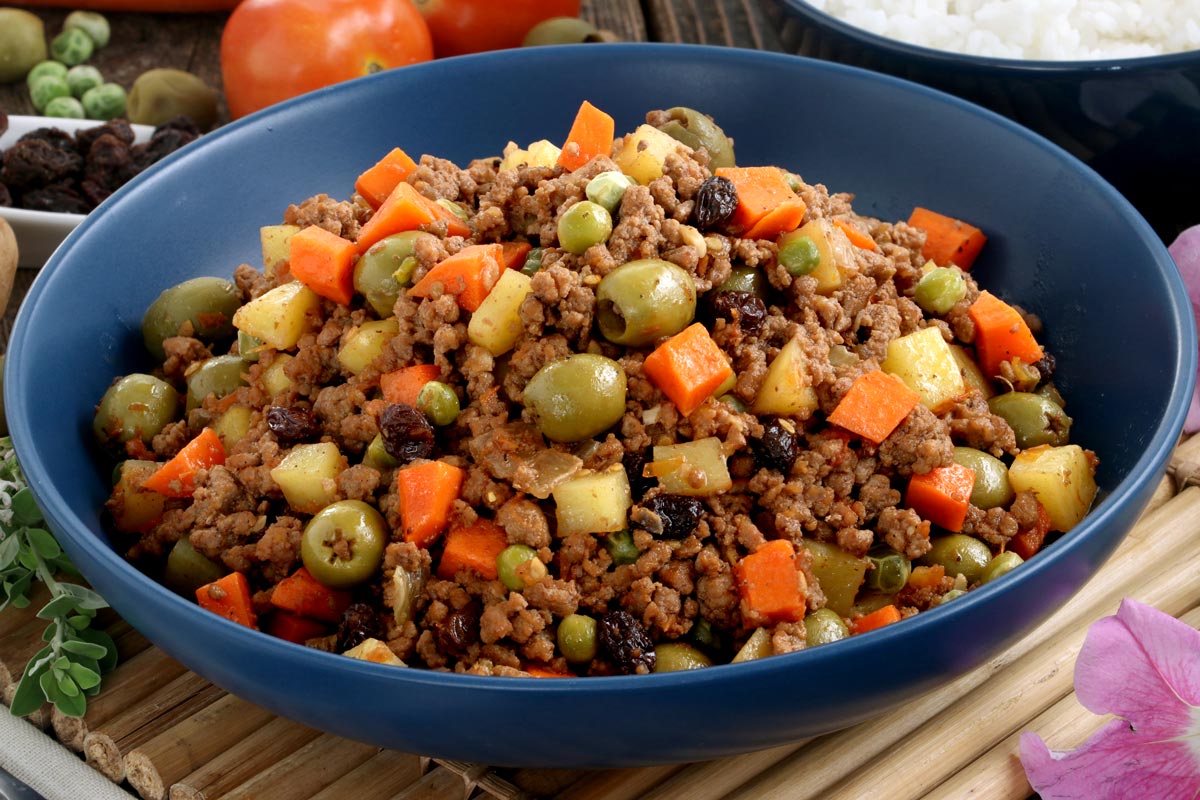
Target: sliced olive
[(959, 554), (1035, 419), (385, 268), (697, 130), (343, 543), (577, 397), (644, 300), (219, 375), (135, 407), (208, 303), (679, 656), (991, 488)]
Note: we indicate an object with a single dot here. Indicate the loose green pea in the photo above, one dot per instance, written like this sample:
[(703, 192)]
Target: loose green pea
[(1003, 563), (72, 47), (679, 656), (438, 401), (44, 68), (533, 262), (798, 254), (939, 289), (64, 108), (583, 225), (507, 562), (621, 548), (746, 279), (47, 88), (83, 77), (608, 188), (577, 638), (91, 23), (825, 626), (104, 102)]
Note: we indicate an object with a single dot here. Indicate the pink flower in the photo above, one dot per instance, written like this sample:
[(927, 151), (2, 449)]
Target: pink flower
[(1144, 667), (1186, 252)]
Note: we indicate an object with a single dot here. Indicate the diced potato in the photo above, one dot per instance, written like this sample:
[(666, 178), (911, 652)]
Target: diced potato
[(787, 388), (137, 509), (541, 153), (366, 343), (839, 573), (972, 375), (375, 651), (496, 324), (596, 502), (308, 476), (756, 647), (231, 427), (280, 316), (923, 360), (642, 153), (1060, 477), (274, 379), (692, 468), (276, 246), (837, 254)]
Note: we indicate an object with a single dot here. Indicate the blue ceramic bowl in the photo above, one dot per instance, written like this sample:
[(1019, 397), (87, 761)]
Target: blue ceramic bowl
[(1136, 121), (1062, 242)]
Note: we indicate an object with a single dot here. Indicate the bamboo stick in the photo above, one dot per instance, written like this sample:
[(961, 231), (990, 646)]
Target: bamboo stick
[(1165, 490), (544, 781), (715, 779), (271, 743), (1171, 529), (153, 766), (438, 784), (379, 778), (310, 769), (619, 784), (1184, 466)]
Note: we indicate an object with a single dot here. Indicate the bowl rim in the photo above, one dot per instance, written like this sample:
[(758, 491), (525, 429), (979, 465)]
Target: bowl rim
[(934, 58), (1148, 466)]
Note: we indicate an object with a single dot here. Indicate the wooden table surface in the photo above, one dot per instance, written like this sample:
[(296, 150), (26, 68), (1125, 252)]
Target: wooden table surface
[(192, 42)]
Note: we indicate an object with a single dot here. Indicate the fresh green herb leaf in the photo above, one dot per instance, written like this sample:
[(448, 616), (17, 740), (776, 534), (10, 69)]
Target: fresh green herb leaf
[(86, 677), (82, 648), (43, 543), (25, 509), (60, 606)]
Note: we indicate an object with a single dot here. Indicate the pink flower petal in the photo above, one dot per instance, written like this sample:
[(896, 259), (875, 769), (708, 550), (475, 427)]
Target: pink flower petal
[(1186, 252)]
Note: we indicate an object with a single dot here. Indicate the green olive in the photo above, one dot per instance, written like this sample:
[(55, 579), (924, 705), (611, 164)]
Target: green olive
[(798, 254), (577, 397), (608, 188), (160, 95), (510, 560), (991, 489), (746, 279), (64, 108), (377, 455), (219, 376), (679, 656), (1003, 563), (83, 77), (642, 301), (22, 43), (438, 401), (583, 225), (135, 407), (697, 131), (577, 638), (343, 543), (560, 30), (1049, 391), (621, 548), (1035, 419), (41, 69), (208, 303), (825, 626), (72, 47), (959, 554), (939, 289), (47, 88), (385, 268), (188, 569), (91, 23), (106, 101)]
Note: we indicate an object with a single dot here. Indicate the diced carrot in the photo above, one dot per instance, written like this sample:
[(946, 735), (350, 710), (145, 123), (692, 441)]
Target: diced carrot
[(473, 547), (942, 495), (591, 135), (857, 236), (760, 191), (427, 493), (876, 403), (514, 254), (302, 594), (177, 477), (293, 627), (230, 598), (947, 240), (469, 275), (769, 585), (536, 671), (378, 182), (876, 619), (1027, 542), (406, 209), (1001, 334), (926, 576), (688, 367), (404, 384), (324, 262)]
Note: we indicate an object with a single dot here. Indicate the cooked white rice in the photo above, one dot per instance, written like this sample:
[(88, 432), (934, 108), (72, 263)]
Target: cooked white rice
[(1052, 30)]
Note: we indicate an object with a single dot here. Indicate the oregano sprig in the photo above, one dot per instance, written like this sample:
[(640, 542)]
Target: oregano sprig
[(67, 670)]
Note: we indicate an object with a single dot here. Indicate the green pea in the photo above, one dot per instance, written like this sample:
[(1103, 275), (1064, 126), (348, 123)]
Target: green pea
[(583, 225), (642, 301), (385, 268), (746, 279), (72, 47), (577, 638), (939, 289), (1003, 563), (64, 108), (1034, 419), (890, 571), (438, 401), (798, 254), (188, 569), (577, 397), (621, 548), (991, 489), (959, 554), (135, 407), (679, 656), (533, 262), (560, 30), (22, 43), (824, 626), (47, 88), (698, 131), (217, 376), (83, 77), (507, 562), (104, 102), (342, 545), (608, 188), (56, 69), (91, 23)]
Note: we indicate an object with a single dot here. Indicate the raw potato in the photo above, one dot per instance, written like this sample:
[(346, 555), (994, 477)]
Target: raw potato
[(924, 361), (278, 317), (837, 254), (496, 324), (1060, 477), (787, 388), (276, 244), (308, 476), (366, 343), (642, 153), (9, 256), (595, 502), (692, 468)]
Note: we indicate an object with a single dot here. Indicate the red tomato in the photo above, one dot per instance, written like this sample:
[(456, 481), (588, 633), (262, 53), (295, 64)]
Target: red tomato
[(275, 49), (471, 26)]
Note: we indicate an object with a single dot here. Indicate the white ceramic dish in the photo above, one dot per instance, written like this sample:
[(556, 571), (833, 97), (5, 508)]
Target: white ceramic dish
[(40, 232)]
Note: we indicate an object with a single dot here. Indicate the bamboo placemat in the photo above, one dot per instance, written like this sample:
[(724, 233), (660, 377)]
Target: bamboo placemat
[(169, 734)]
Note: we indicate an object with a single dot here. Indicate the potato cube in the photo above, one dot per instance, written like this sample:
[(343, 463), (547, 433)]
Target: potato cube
[(276, 246), (496, 324), (924, 361), (972, 375), (232, 426), (542, 153), (787, 388), (365, 344), (837, 254), (308, 476), (274, 379), (692, 468), (595, 502), (642, 153), (839, 573), (1062, 478), (375, 651), (280, 316), (138, 509)]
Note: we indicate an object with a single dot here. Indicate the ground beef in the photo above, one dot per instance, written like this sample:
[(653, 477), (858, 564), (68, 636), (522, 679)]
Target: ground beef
[(341, 218)]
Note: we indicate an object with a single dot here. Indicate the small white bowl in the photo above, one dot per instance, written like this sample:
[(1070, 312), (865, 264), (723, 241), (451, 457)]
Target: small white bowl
[(39, 232)]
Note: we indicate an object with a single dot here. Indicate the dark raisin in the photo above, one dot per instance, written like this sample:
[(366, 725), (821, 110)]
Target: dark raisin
[(359, 623), (626, 643), (35, 163), (3, 121), (744, 309), (292, 423), (6, 199), (114, 127), (55, 137), (671, 516), (182, 123), (635, 466), (407, 433), (778, 448), (1046, 367), (165, 140), (56, 197), (109, 162), (459, 630), (715, 201)]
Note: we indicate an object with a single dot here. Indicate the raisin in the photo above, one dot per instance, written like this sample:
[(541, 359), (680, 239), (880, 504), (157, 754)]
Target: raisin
[(635, 466), (165, 140), (778, 448), (6, 199), (109, 163), (671, 516), (55, 137), (407, 433), (35, 163), (3, 121), (1046, 366), (744, 309), (114, 127), (292, 423), (459, 630), (715, 201), (359, 623), (626, 642), (56, 197)]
